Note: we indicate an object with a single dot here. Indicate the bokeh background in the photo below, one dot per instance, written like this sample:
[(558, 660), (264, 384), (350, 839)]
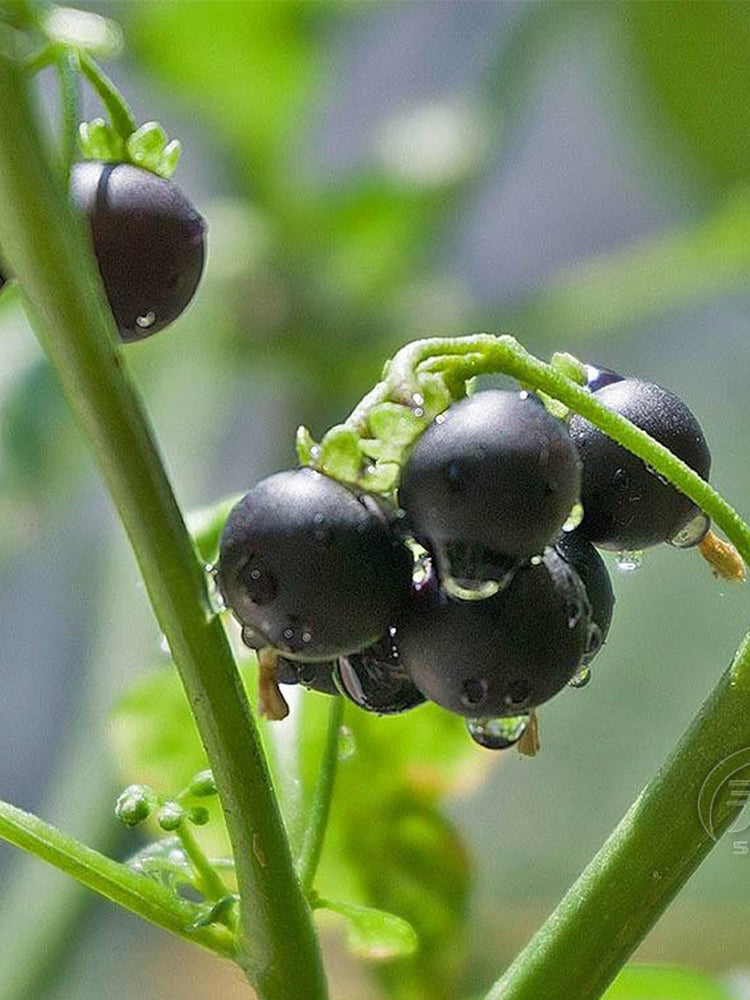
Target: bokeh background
[(576, 173)]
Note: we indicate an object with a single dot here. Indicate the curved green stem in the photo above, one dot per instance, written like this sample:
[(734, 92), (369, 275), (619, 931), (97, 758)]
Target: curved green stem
[(110, 879), (210, 882), (646, 861), (67, 68), (312, 845), (47, 249), (120, 115)]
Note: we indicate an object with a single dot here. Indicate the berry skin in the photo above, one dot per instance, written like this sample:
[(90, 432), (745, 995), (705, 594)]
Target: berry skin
[(589, 565), (376, 680), (502, 655), (597, 377), (313, 676), (626, 506), (315, 569), (148, 241), (497, 472)]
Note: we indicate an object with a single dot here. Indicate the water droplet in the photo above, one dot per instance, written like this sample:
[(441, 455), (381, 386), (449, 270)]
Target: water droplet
[(628, 562), (259, 583), (497, 734), (536, 560), (621, 479), (580, 678), (252, 639), (473, 692), (593, 643), (418, 411), (471, 590), (146, 321), (440, 418), (164, 646), (693, 533), (306, 636), (574, 518), (288, 633), (418, 399), (347, 744), (652, 471)]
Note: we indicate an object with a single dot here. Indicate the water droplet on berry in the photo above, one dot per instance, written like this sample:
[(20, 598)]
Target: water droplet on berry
[(252, 639), (621, 479), (693, 533), (497, 734), (536, 560), (146, 321), (574, 518), (259, 583), (628, 562), (473, 692), (580, 678), (347, 744), (440, 418)]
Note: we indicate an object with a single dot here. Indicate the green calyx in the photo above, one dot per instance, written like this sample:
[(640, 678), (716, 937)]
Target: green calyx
[(147, 147)]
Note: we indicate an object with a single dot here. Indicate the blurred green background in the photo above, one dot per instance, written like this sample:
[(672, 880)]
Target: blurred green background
[(576, 173)]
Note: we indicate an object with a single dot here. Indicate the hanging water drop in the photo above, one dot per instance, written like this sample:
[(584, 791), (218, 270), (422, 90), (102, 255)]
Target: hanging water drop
[(628, 562), (347, 744), (146, 321), (580, 678), (693, 533), (497, 734)]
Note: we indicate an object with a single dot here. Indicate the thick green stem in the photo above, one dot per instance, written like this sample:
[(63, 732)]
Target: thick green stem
[(111, 879), (646, 861), (312, 845), (47, 249)]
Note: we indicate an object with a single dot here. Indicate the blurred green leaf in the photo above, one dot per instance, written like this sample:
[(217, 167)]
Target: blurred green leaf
[(374, 934), (663, 982), (694, 59)]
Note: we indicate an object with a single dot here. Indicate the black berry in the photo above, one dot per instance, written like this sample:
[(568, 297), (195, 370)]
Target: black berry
[(626, 505), (589, 565), (597, 377), (376, 680), (504, 654), (313, 568), (148, 242), (314, 676), (495, 471)]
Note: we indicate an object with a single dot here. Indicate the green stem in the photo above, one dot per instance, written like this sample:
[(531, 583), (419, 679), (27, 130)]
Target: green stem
[(110, 879), (646, 861), (312, 845), (120, 115), (67, 68), (210, 882), (466, 357), (46, 246)]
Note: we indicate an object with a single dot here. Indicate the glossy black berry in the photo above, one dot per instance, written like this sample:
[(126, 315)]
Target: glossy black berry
[(502, 655), (589, 565), (597, 377), (148, 242), (495, 471), (626, 505), (376, 680), (313, 568), (313, 676)]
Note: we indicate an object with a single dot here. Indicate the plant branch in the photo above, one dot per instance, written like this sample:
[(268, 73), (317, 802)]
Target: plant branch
[(114, 881), (646, 861), (46, 246), (120, 115), (67, 68), (312, 844)]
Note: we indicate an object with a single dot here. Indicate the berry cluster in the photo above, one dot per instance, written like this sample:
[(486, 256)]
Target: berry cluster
[(148, 241), (480, 588)]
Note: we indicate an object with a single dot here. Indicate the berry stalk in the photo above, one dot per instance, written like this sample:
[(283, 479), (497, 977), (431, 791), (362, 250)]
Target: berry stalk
[(45, 244)]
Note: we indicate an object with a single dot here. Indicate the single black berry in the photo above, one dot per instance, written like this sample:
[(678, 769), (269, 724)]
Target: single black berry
[(502, 655), (313, 568), (626, 505), (496, 471), (376, 680), (589, 565), (597, 377), (314, 676), (148, 241)]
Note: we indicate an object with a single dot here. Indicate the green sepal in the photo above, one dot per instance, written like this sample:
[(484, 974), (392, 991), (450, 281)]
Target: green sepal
[(340, 456), (148, 148), (395, 424), (382, 477), (99, 141), (305, 445), (373, 934)]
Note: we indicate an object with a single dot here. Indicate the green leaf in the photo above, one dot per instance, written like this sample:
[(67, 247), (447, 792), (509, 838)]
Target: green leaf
[(374, 934), (663, 982)]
